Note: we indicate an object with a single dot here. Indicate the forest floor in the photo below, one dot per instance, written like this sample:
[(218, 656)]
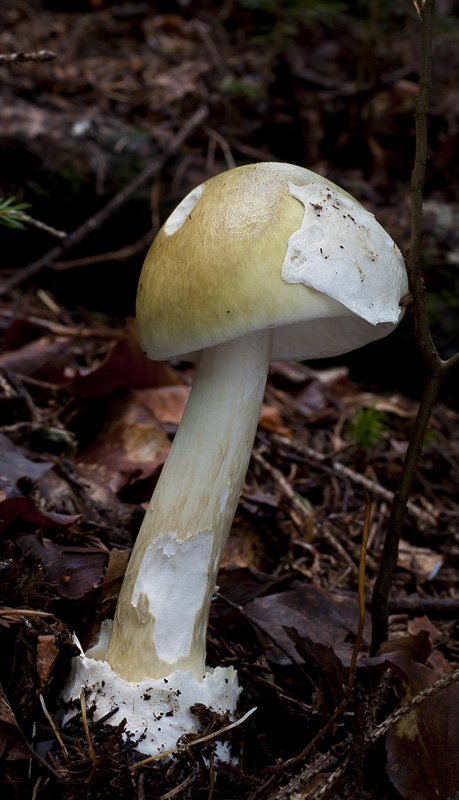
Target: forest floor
[(139, 103)]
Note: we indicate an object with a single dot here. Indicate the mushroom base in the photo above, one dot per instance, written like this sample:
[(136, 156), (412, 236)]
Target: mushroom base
[(157, 710)]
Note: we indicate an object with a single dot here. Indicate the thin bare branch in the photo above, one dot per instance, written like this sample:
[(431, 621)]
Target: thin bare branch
[(21, 58)]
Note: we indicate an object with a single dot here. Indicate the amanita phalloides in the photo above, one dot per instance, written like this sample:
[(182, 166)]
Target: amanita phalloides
[(266, 261)]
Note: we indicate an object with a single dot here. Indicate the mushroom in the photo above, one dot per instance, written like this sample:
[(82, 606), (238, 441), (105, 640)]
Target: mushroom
[(266, 261)]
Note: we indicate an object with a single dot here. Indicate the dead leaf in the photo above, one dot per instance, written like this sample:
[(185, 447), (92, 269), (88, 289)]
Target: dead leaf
[(271, 420), (314, 612), (438, 662), (133, 444), (323, 666), (423, 747), (245, 547), (46, 357), (124, 365), (435, 659), (420, 560), (24, 509), (15, 465), (168, 402), (116, 568), (241, 585), (176, 83), (416, 647), (47, 653), (13, 746), (73, 571), (418, 624)]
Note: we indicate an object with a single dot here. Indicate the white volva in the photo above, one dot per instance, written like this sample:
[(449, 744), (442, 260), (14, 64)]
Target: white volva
[(157, 710)]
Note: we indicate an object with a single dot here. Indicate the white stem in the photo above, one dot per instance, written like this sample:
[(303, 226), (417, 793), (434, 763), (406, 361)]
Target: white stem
[(161, 618)]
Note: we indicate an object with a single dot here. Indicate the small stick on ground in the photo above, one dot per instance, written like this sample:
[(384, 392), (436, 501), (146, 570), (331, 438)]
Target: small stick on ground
[(362, 561), (48, 716), (92, 754), (21, 58)]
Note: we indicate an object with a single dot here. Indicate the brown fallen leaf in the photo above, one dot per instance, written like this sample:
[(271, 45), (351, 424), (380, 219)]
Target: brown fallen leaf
[(423, 747), (418, 624), (45, 358), (117, 563), (324, 667), (125, 364), (314, 612), (271, 420), (73, 571), (132, 445), (47, 653), (241, 585), (168, 404), (24, 509), (245, 547), (14, 464), (415, 647), (419, 560), (436, 659), (13, 745)]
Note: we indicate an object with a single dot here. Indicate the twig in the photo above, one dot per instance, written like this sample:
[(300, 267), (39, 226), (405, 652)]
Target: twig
[(176, 789), (226, 150), (200, 740), (36, 787), (331, 779), (23, 612), (362, 560), (315, 741), (355, 477), (113, 205), (414, 605), (301, 506), (435, 607), (380, 491), (292, 789), (48, 716), (92, 754), (396, 716), (437, 367), (42, 226), (122, 254), (20, 58), (97, 762)]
